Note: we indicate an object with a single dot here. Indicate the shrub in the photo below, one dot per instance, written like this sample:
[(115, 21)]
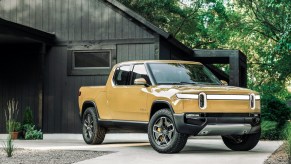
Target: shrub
[(270, 130), (13, 126), (28, 117), (273, 109), (31, 133)]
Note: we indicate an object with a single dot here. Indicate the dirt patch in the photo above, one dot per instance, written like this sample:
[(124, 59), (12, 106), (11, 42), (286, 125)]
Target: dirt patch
[(26, 156), (280, 156)]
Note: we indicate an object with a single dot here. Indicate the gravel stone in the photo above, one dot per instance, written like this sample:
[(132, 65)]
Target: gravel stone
[(27, 156), (280, 156)]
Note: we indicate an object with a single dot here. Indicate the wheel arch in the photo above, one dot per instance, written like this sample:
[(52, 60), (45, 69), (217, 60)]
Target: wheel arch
[(86, 105), (160, 104)]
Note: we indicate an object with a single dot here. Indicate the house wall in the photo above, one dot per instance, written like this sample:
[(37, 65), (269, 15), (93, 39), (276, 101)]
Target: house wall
[(73, 20), (169, 51), (84, 25), (19, 79)]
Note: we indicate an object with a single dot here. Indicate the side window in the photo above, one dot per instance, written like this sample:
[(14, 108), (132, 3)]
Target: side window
[(139, 71), (121, 75)]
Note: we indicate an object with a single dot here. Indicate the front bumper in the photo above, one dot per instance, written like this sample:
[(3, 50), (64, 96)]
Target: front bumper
[(217, 123)]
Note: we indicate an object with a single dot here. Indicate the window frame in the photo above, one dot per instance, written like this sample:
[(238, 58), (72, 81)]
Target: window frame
[(89, 71), (131, 83), (90, 51), (128, 78)]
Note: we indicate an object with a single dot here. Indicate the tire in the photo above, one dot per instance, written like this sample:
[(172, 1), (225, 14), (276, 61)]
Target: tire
[(92, 133), (163, 135), (242, 142)]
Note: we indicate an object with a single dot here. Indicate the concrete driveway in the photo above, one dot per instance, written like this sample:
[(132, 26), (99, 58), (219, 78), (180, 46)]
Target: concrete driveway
[(134, 148)]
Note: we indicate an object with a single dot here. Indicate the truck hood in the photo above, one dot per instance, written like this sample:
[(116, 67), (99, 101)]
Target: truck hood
[(196, 89)]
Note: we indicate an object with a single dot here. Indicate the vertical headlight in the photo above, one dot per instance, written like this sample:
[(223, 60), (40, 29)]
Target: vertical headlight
[(252, 101), (202, 100)]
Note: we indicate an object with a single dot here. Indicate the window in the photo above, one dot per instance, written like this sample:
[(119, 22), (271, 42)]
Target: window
[(121, 75), (139, 71), (89, 60)]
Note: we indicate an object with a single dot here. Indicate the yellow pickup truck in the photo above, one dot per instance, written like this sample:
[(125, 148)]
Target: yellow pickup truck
[(170, 100)]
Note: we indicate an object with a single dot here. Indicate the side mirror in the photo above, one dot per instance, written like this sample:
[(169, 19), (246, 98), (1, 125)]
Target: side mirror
[(140, 81), (223, 82)]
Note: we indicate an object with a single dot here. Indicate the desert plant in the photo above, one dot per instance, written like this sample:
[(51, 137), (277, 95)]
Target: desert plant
[(28, 117), (8, 146), (31, 133)]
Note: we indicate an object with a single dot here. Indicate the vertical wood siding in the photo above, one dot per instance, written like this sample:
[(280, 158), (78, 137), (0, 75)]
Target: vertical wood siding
[(126, 52), (19, 79), (61, 107), (73, 22)]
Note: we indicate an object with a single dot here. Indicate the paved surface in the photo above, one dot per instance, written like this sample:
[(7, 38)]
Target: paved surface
[(134, 148)]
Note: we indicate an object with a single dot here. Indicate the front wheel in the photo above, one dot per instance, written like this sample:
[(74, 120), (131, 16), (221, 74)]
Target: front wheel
[(242, 142), (163, 135), (92, 132)]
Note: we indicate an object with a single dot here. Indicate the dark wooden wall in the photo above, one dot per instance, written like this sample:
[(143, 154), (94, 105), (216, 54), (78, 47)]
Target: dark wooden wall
[(170, 52), (19, 70), (77, 23), (73, 20)]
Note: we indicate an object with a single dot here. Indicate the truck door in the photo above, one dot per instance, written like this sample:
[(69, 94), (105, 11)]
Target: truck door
[(128, 101)]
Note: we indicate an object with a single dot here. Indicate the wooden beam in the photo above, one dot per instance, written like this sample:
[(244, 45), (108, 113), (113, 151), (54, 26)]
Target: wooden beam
[(235, 58), (41, 85)]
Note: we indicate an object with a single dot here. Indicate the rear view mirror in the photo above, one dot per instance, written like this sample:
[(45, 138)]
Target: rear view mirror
[(223, 82)]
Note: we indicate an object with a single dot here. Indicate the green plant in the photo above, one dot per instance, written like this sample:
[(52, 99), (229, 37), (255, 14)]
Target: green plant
[(31, 133), (8, 146), (13, 126), (273, 109), (270, 130), (28, 117), (11, 115)]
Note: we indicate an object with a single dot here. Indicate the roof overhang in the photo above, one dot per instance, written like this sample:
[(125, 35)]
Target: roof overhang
[(11, 32)]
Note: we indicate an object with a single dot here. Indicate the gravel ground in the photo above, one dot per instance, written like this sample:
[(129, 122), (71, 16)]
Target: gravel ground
[(280, 156), (26, 156)]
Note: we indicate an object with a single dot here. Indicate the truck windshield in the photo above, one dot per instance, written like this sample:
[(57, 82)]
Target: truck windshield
[(182, 74)]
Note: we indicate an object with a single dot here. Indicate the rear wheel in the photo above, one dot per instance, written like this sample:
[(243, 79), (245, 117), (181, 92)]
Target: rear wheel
[(92, 132), (163, 135), (242, 142)]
